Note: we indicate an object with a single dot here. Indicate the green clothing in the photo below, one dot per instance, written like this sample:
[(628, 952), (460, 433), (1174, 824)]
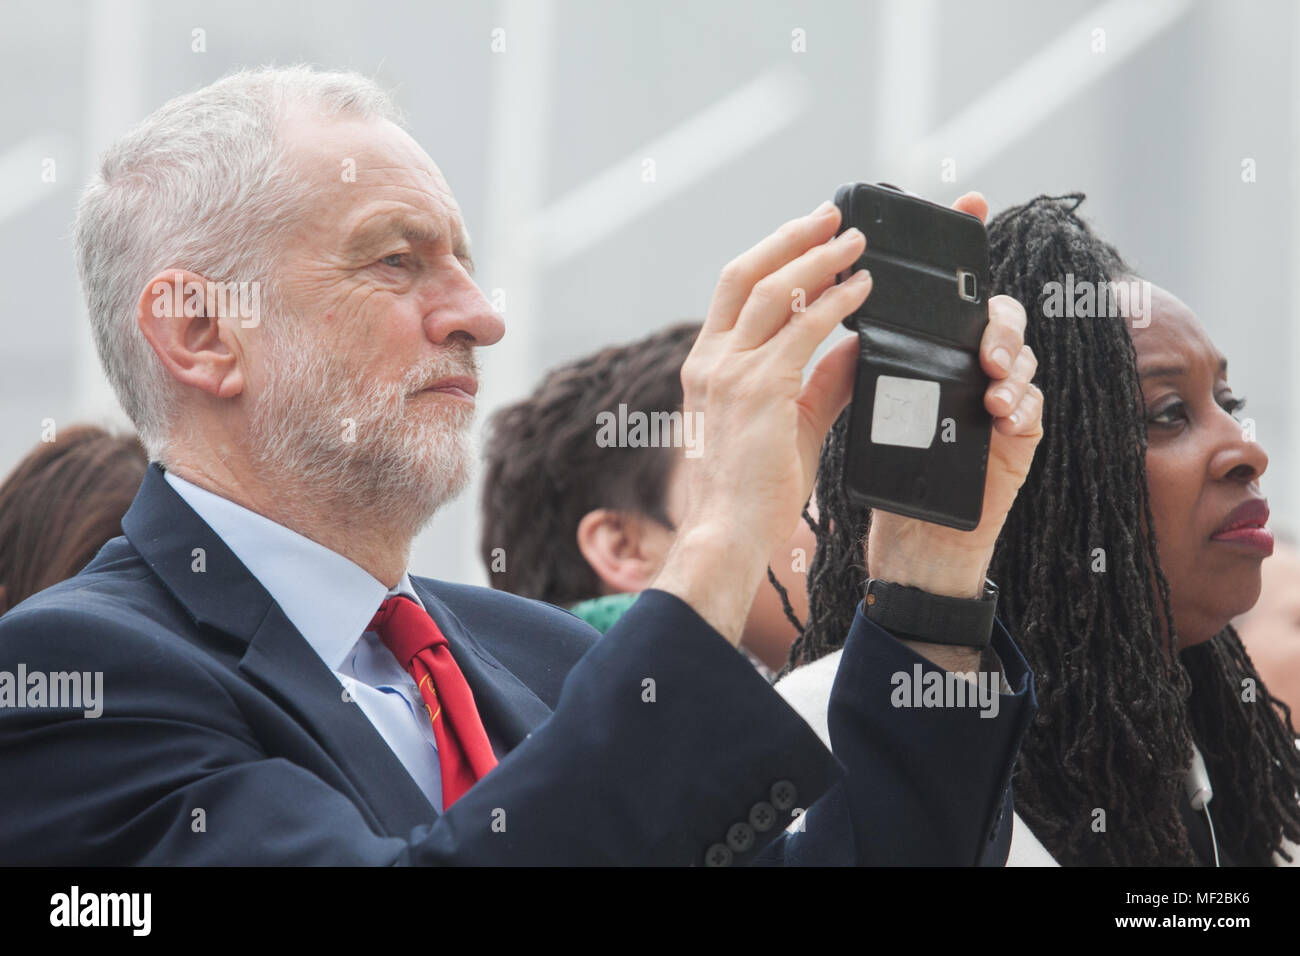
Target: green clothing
[(603, 612)]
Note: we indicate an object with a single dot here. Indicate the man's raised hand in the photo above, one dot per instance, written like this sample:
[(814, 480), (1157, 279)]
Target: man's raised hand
[(762, 425)]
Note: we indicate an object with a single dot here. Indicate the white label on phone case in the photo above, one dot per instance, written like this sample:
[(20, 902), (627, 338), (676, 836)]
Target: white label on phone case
[(906, 412)]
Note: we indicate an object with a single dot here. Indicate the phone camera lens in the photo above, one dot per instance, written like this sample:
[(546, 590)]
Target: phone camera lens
[(967, 287)]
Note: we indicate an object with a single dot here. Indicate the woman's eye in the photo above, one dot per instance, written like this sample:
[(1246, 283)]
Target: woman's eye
[(1170, 414), (1233, 405)]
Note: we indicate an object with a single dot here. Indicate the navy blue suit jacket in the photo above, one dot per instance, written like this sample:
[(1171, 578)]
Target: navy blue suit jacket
[(225, 739)]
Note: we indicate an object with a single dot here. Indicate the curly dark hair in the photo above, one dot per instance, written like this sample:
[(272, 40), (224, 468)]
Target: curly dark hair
[(545, 470), (1118, 708)]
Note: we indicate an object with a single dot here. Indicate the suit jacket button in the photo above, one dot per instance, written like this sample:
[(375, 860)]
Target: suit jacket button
[(740, 837), (718, 855), (783, 794), (762, 816)]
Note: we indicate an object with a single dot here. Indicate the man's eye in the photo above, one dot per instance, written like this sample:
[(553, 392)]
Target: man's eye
[(396, 260)]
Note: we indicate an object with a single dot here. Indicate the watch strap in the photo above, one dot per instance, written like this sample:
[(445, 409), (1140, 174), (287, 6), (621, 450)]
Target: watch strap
[(917, 615)]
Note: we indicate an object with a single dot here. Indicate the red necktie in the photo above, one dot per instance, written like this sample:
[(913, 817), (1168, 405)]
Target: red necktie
[(464, 753)]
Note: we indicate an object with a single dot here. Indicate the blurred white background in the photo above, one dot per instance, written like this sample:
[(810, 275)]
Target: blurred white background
[(753, 111)]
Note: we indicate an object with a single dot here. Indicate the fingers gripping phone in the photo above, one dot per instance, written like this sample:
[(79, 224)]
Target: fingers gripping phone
[(918, 439)]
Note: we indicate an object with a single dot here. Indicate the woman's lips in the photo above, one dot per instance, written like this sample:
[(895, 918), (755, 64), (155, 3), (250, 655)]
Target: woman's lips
[(1257, 539), (1245, 527)]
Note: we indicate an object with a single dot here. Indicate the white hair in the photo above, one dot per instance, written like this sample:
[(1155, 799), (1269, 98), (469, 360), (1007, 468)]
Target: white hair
[(202, 184)]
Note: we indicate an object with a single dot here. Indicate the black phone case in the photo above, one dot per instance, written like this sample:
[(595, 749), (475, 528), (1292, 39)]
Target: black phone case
[(918, 441)]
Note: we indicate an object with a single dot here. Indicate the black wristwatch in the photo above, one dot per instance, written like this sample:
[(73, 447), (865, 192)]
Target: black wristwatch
[(915, 615)]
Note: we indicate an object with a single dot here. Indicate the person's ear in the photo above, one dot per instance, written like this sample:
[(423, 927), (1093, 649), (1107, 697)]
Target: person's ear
[(197, 346), (625, 550)]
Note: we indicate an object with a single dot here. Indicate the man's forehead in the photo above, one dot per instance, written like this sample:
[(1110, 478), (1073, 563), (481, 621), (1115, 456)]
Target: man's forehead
[(352, 158), (380, 141), (371, 176)]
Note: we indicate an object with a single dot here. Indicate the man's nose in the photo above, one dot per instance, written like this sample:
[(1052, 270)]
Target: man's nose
[(460, 307)]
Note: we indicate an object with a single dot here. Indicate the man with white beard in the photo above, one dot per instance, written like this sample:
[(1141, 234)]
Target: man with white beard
[(278, 689)]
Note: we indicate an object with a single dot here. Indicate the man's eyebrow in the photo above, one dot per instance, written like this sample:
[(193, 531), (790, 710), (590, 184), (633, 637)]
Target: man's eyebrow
[(385, 227), (414, 231)]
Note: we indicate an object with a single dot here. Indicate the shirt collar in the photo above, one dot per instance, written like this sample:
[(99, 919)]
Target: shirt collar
[(327, 597)]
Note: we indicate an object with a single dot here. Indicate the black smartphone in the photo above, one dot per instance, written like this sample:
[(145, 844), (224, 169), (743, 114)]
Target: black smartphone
[(918, 440)]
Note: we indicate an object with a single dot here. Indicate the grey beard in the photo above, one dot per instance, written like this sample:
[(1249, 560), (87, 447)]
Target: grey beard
[(356, 447)]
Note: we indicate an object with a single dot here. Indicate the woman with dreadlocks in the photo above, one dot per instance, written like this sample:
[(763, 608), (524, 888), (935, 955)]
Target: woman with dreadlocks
[(1137, 537)]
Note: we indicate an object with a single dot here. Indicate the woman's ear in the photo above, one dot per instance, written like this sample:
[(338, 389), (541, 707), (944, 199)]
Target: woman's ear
[(626, 550), (182, 322)]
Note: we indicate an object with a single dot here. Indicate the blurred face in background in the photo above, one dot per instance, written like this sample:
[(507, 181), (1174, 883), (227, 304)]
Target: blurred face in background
[(628, 550), (1271, 630)]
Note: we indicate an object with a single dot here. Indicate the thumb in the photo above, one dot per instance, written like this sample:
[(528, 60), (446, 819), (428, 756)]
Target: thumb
[(829, 387)]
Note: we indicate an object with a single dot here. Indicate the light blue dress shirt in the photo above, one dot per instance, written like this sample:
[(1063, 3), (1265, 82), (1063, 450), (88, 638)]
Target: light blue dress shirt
[(330, 601)]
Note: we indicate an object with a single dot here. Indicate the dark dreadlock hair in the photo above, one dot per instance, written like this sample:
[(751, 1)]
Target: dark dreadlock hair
[(1118, 710)]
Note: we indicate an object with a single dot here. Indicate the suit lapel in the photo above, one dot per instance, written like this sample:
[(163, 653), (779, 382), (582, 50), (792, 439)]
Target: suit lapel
[(168, 534), (280, 660)]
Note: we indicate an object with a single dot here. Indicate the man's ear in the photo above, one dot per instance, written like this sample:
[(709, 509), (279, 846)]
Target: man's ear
[(625, 550), (197, 346)]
